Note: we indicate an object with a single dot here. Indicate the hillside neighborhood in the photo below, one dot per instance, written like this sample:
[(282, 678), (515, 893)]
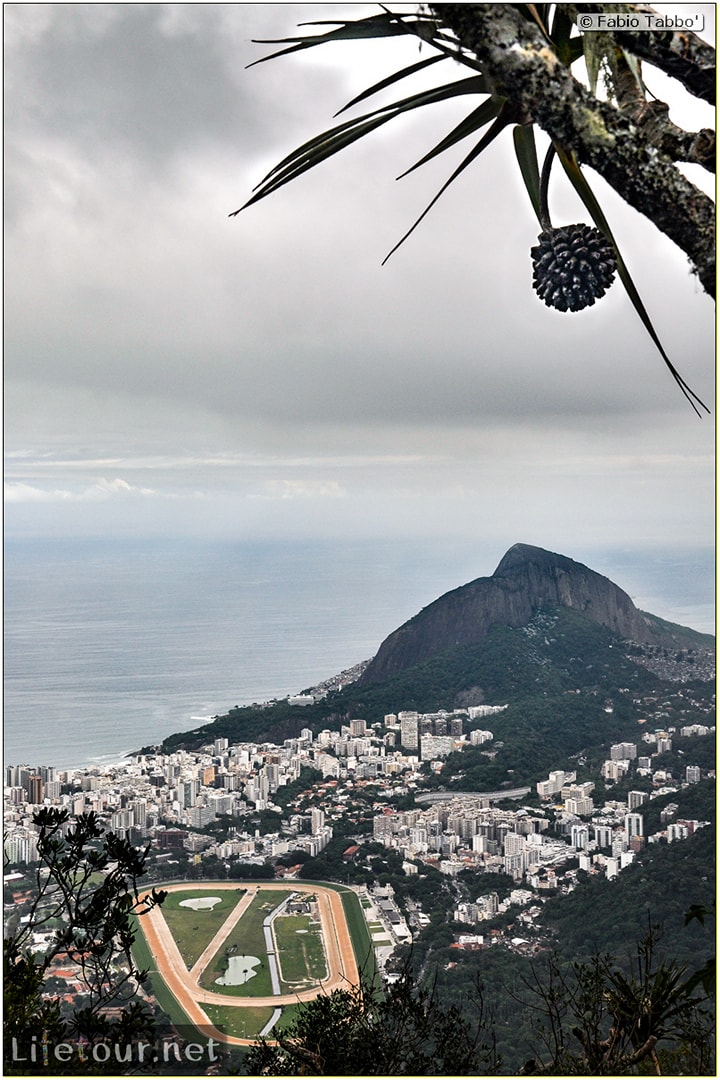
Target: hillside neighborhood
[(251, 809)]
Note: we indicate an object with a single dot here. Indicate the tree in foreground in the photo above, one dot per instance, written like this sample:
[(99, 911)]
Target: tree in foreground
[(363, 1031), (595, 1018), (86, 901), (599, 1018), (520, 59)]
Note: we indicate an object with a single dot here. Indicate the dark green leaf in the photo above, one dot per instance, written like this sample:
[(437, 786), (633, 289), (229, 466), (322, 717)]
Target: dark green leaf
[(474, 84), (583, 189), (575, 50), (593, 50), (634, 64), (705, 977), (396, 77), (477, 119), (526, 153), (696, 911), (330, 142), (500, 123), (313, 152), (375, 26), (562, 26)]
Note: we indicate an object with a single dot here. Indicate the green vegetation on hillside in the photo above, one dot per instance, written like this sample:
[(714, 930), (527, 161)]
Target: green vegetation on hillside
[(538, 669), (660, 886)]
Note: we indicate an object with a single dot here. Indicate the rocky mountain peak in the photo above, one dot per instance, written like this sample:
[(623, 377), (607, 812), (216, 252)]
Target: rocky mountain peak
[(523, 554), (526, 579)]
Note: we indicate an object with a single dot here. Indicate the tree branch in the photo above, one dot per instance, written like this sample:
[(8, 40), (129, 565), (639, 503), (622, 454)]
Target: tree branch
[(653, 117), (680, 54), (517, 58)]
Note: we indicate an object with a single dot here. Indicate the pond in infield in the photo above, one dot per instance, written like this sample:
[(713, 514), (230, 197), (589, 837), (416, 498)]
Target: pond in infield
[(240, 970)]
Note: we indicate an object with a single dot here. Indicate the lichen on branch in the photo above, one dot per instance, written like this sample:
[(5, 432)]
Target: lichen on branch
[(519, 60)]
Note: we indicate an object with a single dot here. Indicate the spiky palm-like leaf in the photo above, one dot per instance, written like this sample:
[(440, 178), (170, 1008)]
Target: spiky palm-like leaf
[(577, 179), (495, 108), (330, 142)]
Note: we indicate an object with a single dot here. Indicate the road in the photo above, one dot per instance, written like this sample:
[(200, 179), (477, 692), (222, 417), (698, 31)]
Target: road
[(494, 796), (184, 984)]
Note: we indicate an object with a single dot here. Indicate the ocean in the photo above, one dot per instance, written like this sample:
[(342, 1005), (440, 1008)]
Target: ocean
[(111, 645)]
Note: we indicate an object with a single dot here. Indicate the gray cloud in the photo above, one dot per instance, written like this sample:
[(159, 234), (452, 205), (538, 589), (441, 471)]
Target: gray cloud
[(267, 364), (150, 82)]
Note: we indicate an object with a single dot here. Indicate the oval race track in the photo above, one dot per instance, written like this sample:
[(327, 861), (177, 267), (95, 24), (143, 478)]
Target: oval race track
[(184, 985)]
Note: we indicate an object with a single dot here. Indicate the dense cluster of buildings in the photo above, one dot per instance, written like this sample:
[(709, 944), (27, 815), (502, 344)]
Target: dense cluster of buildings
[(160, 796), (467, 832), (170, 799)]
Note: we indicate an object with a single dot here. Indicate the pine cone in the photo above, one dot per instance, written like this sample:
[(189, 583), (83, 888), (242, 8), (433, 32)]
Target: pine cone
[(573, 266)]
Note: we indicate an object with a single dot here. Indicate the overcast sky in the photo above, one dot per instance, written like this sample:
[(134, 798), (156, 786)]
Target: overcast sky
[(169, 369)]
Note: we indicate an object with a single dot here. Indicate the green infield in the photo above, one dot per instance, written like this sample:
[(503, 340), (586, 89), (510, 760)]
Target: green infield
[(300, 951), (241, 1023), (194, 929), (246, 939)]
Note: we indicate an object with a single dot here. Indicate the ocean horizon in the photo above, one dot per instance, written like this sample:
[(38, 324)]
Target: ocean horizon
[(115, 644)]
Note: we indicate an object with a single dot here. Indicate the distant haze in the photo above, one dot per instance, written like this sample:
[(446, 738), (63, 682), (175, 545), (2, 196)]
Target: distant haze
[(172, 372)]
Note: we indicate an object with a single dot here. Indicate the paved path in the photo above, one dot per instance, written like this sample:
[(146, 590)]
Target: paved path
[(184, 985), (448, 796), (223, 933), (271, 950)]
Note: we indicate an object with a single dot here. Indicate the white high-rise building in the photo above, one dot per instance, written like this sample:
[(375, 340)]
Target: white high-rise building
[(409, 730), (633, 826), (603, 836), (21, 847), (187, 792), (612, 867), (579, 805), (624, 751), (121, 819), (514, 843), (579, 836), (435, 746), (614, 770), (200, 816), (555, 782), (221, 803), (635, 799)]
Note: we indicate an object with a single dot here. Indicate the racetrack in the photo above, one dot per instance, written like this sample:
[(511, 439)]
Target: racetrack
[(185, 986)]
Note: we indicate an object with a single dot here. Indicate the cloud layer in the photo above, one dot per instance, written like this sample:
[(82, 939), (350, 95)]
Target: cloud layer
[(267, 364)]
